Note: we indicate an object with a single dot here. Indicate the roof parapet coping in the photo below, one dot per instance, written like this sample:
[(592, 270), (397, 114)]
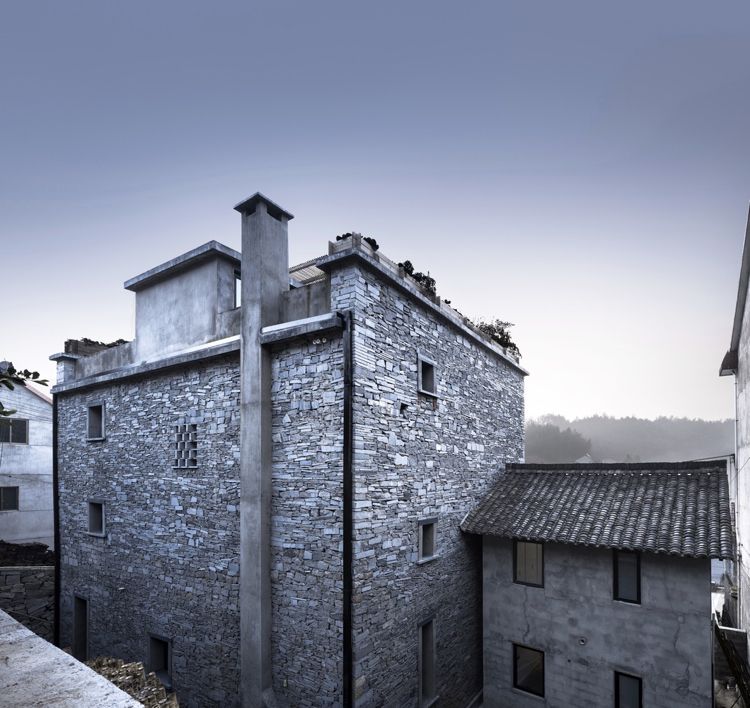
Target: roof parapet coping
[(212, 249), (597, 467), (249, 205)]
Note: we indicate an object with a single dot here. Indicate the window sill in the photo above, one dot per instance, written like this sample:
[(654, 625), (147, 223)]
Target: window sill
[(95, 439), (431, 394), (14, 443), (528, 694), (95, 535), (528, 585), (8, 511), (424, 561), (632, 603), (430, 702)]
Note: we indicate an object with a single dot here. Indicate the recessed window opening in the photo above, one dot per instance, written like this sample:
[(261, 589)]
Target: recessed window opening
[(186, 446), (237, 288), (528, 669), (80, 628), (528, 563), (96, 422), (427, 378), (628, 691), (627, 576), (427, 539), (427, 684), (160, 660), (8, 498), (14, 430), (96, 518)]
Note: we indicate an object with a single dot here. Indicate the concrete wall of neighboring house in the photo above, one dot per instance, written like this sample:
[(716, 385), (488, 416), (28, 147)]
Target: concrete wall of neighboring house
[(418, 456), (169, 562), (28, 467), (587, 636)]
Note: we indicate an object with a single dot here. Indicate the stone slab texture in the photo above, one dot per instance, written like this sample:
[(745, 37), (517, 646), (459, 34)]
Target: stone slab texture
[(27, 593), (433, 458), (587, 636), (170, 561)]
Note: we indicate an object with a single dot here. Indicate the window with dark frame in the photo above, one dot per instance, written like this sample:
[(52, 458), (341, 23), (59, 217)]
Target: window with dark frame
[(96, 422), (96, 518), (427, 539), (160, 659), (528, 669), (8, 498), (627, 576), (427, 683), (628, 691), (14, 430), (427, 377), (528, 563)]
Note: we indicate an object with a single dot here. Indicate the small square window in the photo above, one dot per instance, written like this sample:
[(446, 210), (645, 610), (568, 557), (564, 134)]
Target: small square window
[(96, 422), (96, 518), (427, 376), (185, 446), (160, 660), (627, 576), (427, 540), (8, 498), (528, 563), (528, 669), (14, 430), (427, 683), (628, 691)]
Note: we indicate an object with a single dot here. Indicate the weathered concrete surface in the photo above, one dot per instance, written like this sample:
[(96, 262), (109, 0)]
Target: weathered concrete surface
[(28, 594), (587, 636), (36, 673)]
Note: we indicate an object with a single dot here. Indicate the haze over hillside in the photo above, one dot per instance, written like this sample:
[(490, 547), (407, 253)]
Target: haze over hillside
[(553, 438)]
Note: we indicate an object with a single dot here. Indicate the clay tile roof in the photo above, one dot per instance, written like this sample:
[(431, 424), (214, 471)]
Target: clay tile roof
[(677, 508)]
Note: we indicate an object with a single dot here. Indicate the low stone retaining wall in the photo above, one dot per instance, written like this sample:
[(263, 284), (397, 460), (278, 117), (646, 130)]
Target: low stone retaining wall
[(27, 593)]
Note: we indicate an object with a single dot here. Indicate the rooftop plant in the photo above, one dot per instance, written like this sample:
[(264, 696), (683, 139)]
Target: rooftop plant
[(427, 282), (498, 331)]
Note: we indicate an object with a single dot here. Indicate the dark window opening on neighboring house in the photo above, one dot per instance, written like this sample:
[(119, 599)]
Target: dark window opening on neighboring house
[(427, 377), (96, 518), (427, 539), (14, 430), (528, 669), (8, 498), (160, 660), (80, 628), (96, 422), (528, 563), (628, 691), (427, 684), (627, 576)]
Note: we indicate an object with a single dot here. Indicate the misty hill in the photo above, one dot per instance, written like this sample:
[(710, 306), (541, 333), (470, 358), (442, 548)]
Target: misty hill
[(553, 438)]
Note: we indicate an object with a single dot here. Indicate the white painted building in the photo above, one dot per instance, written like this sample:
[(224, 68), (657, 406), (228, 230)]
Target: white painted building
[(26, 508)]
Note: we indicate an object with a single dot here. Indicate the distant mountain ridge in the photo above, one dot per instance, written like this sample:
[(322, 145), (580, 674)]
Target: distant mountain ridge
[(601, 438)]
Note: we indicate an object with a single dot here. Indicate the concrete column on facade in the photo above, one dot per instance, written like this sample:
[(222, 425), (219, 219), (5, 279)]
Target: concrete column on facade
[(265, 277)]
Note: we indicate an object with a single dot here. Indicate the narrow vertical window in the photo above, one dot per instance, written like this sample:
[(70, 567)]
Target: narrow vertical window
[(80, 628), (427, 685), (96, 518), (427, 540), (528, 563), (160, 660), (96, 422), (528, 669), (186, 445), (8, 498), (628, 691), (627, 576), (237, 289), (427, 376)]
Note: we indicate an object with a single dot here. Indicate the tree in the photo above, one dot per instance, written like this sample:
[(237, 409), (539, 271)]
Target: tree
[(548, 443), (10, 377)]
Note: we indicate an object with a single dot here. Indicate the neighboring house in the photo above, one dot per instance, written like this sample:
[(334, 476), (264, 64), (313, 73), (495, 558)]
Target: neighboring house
[(26, 512), (263, 502), (597, 583)]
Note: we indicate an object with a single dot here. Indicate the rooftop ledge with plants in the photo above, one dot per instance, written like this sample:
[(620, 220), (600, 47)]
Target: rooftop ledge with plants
[(495, 330)]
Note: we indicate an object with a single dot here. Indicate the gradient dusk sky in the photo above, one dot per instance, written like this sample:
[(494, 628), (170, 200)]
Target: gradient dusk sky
[(581, 169)]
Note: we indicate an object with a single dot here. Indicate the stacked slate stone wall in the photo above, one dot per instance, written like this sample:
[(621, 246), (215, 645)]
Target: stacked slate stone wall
[(418, 456), (306, 522), (27, 593), (169, 562)]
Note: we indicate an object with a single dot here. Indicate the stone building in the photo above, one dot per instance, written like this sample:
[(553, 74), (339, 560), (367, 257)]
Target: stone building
[(597, 583), (26, 512), (260, 495)]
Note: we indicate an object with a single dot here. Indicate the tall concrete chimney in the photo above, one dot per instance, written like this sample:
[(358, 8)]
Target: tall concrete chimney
[(265, 276)]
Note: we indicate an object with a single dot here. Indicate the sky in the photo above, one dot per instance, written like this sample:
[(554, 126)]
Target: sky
[(581, 169)]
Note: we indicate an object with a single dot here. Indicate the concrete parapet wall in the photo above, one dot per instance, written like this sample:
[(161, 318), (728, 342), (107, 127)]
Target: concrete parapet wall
[(27, 593)]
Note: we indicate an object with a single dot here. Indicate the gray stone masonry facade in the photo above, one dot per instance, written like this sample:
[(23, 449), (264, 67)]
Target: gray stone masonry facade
[(586, 635), (418, 456), (27, 593), (169, 561)]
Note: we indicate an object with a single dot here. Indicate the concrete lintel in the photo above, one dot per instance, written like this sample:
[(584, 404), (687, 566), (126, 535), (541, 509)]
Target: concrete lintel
[(64, 356), (181, 359), (183, 262), (301, 328), (327, 263)]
